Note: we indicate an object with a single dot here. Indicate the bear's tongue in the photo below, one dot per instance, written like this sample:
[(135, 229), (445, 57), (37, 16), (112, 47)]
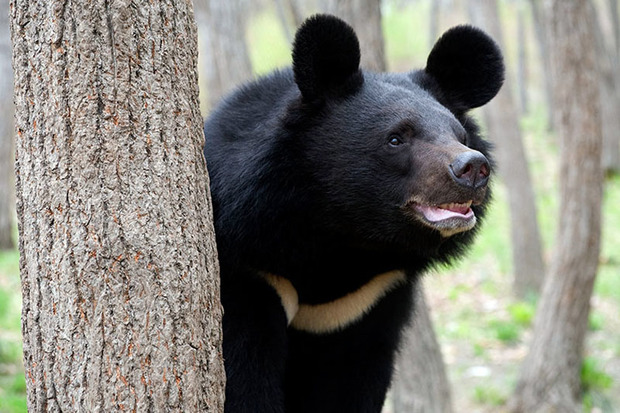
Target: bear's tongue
[(445, 211)]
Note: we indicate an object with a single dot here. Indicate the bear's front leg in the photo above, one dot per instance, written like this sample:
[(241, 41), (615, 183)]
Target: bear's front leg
[(255, 344)]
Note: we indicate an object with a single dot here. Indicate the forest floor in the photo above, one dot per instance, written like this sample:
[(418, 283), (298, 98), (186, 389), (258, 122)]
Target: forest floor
[(484, 335)]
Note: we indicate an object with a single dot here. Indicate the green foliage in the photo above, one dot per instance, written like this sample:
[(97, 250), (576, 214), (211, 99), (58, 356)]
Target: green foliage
[(479, 350), (10, 350), (505, 331), (593, 378), (522, 313), (12, 381), (485, 394), (13, 404), (13, 393), (596, 321)]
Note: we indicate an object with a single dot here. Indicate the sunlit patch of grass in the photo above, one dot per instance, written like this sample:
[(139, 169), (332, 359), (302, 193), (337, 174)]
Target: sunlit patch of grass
[(489, 395)]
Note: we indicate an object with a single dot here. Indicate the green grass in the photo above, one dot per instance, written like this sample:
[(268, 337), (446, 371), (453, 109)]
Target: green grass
[(12, 382), (489, 395), (522, 313), (507, 332), (593, 377)]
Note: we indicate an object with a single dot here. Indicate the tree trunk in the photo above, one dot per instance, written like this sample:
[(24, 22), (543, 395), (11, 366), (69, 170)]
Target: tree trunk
[(550, 375), (615, 24), (118, 261), (421, 384), (522, 75), (7, 210), (543, 51), (282, 8), (226, 61), (365, 17), (502, 121), (609, 79), (433, 27)]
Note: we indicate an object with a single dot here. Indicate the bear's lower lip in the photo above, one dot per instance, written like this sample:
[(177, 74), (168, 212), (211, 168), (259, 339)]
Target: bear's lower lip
[(448, 219)]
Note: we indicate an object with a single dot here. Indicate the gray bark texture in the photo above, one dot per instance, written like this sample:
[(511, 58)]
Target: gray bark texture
[(365, 17), (225, 59), (7, 197), (501, 116), (118, 261), (420, 383), (550, 377)]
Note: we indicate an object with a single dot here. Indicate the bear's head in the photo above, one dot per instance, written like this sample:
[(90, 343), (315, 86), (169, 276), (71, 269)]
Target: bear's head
[(396, 159)]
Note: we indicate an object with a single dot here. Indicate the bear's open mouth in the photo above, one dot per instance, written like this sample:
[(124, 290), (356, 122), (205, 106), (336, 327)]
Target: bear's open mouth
[(449, 218)]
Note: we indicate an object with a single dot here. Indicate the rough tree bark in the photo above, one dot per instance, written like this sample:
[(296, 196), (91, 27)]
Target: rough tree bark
[(365, 17), (549, 379), (225, 59), (420, 383), (118, 261), (7, 210), (502, 121)]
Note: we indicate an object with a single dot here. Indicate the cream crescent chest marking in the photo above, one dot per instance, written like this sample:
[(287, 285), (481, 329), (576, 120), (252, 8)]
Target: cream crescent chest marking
[(337, 314)]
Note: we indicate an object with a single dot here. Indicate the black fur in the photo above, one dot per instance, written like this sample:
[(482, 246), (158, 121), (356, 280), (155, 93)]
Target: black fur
[(315, 176)]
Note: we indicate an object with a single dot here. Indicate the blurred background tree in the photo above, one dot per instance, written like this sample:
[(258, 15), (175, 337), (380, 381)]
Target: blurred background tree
[(550, 377), (501, 117)]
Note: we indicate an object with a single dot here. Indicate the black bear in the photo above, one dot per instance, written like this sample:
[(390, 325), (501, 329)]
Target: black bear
[(333, 190)]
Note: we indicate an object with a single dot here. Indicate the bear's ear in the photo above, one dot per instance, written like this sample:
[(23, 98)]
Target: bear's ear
[(326, 58), (468, 66)]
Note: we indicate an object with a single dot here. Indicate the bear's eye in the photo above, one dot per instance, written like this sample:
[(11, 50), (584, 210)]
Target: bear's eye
[(395, 140)]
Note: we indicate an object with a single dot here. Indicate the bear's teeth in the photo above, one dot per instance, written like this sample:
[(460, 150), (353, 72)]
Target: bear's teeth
[(456, 207)]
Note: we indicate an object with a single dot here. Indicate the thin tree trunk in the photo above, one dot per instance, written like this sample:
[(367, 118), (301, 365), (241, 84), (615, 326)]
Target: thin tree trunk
[(229, 61), (421, 384), (298, 10), (281, 9), (549, 379), (503, 125), (118, 261), (7, 210), (522, 77), (365, 17), (434, 23), (615, 24), (609, 66), (543, 51)]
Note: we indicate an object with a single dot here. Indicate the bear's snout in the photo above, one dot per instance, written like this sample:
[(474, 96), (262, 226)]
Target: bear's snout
[(470, 169)]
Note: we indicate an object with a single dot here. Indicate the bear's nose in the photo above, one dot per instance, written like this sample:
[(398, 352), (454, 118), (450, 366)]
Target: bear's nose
[(470, 169)]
